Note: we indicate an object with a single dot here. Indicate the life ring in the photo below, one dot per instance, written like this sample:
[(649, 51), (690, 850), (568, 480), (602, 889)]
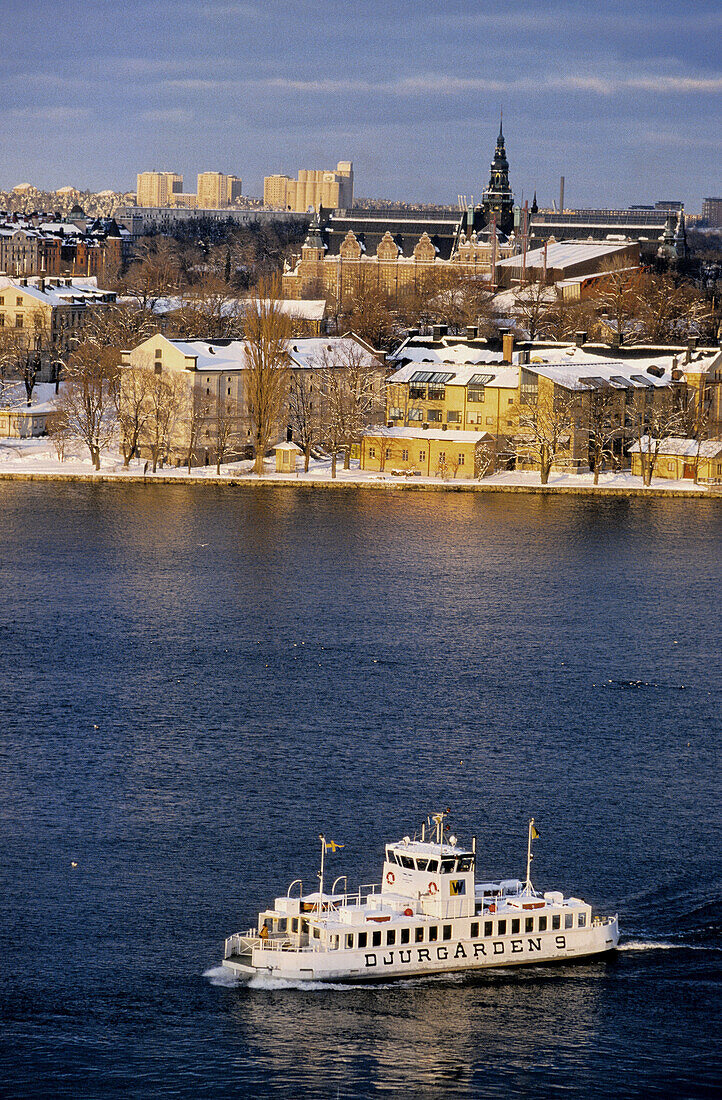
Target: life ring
[(408, 912), (390, 878), (433, 888), (492, 908)]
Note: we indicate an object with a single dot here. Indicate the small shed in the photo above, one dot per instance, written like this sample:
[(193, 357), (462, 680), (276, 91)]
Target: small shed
[(286, 454), (23, 422)]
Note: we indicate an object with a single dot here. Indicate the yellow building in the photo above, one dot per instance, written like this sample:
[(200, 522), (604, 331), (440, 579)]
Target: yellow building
[(313, 188), (158, 188), (426, 452), (216, 191), (678, 458)]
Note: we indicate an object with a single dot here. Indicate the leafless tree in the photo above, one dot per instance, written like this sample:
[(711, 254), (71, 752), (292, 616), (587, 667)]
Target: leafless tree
[(22, 350), (131, 394), (534, 308), (157, 272), (165, 398), (226, 428), (545, 425), (59, 431), (267, 330), (304, 410), (652, 417), (616, 296), (603, 410), (197, 411), (670, 309), (86, 402), (365, 311), (349, 381)]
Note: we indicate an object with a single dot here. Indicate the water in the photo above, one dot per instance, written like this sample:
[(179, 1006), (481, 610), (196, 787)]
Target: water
[(195, 682)]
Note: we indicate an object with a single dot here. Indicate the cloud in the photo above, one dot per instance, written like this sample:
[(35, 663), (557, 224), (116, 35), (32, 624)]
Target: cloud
[(53, 114)]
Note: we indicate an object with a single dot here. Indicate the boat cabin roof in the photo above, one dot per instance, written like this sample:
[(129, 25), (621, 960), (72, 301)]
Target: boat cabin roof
[(427, 848)]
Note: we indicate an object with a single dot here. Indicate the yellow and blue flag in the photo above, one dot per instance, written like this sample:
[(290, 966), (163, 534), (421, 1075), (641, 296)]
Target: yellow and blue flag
[(332, 845)]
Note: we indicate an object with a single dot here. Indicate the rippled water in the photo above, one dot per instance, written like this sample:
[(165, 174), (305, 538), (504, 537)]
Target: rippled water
[(195, 682)]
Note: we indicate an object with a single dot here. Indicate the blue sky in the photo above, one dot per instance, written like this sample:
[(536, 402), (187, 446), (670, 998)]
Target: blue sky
[(622, 98)]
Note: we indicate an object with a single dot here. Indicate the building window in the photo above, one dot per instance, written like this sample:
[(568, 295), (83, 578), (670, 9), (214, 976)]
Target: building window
[(511, 401), (475, 393), (158, 368), (158, 353), (670, 466), (436, 392), (395, 413), (372, 452), (442, 457), (349, 942), (388, 452), (417, 393), (18, 320), (18, 301), (453, 417), (434, 416), (404, 456), (433, 933), (461, 460), (422, 457), (416, 414), (2, 320)]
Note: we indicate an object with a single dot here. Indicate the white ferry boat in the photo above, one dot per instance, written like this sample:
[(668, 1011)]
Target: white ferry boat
[(427, 916)]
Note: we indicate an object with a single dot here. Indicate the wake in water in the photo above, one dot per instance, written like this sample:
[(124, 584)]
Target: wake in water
[(221, 975), (660, 945)]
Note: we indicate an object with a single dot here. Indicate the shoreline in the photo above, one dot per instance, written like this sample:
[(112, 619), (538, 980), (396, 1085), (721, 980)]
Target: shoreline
[(380, 485)]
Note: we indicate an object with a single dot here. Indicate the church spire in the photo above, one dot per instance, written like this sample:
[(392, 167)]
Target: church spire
[(501, 124)]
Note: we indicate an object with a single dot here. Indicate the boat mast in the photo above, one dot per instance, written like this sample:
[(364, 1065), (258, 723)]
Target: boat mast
[(529, 857), (320, 876)]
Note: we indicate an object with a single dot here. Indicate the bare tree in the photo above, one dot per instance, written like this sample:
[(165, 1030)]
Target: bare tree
[(604, 421), (304, 410), (366, 312), (165, 398), (349, 380), (545, 425), (86, 402), (616, 296), (197, 411), (158, 271), (669, 308), (57, 427), (131, 395), (267, 330), (22, 350), (226, 426), (534, 308), (653, 417)]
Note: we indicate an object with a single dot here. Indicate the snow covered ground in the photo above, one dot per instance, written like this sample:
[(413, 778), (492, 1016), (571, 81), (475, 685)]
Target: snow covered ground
[(38, 456)]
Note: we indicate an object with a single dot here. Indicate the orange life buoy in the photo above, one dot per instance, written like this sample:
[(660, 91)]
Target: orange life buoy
[(408, 912), (433, 888), (390, 878), (492, 908)]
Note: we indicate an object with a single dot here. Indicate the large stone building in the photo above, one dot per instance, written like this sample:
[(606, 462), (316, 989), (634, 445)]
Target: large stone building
[(400, 250), (159, 188), (44, 245), (313, 189), (712, 211)]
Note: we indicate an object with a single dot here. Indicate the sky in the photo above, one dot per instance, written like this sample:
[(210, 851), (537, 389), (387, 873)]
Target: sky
[(622, 98)]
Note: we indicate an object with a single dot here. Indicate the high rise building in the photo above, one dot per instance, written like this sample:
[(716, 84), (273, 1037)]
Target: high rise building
[(158, 188), (712, 211), (217, 191), (314, 188)]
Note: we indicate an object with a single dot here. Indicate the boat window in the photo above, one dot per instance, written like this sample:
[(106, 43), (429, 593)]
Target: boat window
[(363, 938), (465, 863), (556, 921), (282, 924), (501, 928), (294, 924), (568, 920), (419, 935), (376, 939), (433, 865), (405, 935), (529, 925), (447, 932), (304, 927), (391, 937), (407, 862), (391, 856), (474, 929), (447, 866), (542, 924), (333, 946), (488, 927), (316, 933), (349, 941), (515, 926), (582, 920), (433, 933), (422, 864)]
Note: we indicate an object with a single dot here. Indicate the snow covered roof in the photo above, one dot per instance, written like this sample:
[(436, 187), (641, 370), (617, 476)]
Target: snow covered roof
[(453, 354), (312, 310), (230, 355), (566, 253), (56, 292), (687, 448), (383, 432), (505, 378), (595, 372)]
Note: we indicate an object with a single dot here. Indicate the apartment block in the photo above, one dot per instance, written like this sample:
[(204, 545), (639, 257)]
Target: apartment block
[(217, 191), (158, 188), (312, 189)]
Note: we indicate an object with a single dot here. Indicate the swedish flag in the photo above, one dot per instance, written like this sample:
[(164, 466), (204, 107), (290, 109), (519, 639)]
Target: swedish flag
[(534, 832), (332, 845)]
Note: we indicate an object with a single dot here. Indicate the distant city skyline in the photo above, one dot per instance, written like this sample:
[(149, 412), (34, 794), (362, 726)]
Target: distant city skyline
[(624, 100)]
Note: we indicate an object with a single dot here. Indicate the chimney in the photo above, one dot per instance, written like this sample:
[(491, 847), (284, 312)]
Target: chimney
[(437, 331), (471, 332), (289, 434), (41, 285), (507, 344), (580, 338)]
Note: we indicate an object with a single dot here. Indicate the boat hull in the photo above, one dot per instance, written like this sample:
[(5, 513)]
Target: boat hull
[(411, 961)]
